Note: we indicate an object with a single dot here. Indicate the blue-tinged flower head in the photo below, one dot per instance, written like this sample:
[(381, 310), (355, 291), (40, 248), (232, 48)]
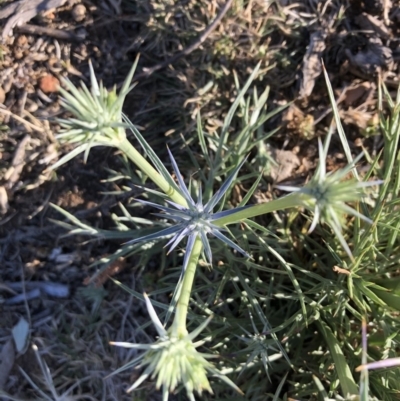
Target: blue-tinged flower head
[(326, 194), (97, 113), (194, 220), (174, 361)]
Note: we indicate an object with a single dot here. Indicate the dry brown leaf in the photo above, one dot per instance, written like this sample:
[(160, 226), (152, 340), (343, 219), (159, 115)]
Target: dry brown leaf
[(361, 118), (357, 93), (312, 65), (286, 163)]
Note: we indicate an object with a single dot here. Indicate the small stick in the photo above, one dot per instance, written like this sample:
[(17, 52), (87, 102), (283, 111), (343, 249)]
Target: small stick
[(13, 173), (27, 124), (54, 33)]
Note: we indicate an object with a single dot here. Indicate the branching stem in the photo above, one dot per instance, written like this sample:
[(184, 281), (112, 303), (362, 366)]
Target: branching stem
[(179, 325), (126, 147), (289, 201)]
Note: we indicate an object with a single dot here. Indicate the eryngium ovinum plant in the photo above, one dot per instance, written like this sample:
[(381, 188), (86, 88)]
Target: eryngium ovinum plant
[(174, 360)]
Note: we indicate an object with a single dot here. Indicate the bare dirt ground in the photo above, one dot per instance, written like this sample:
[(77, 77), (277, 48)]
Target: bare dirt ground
[(357, 41)]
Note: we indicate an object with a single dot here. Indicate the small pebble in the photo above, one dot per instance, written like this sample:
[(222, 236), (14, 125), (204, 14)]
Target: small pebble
[(79, 12), (49, 83)]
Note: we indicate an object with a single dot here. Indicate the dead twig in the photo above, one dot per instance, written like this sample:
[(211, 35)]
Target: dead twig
[(13, 173), (339, 270), (27, 124), (54, 33)]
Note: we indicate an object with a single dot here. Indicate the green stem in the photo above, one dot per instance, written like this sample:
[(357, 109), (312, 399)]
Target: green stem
[(130, 151), (292, 200), (179, 324)]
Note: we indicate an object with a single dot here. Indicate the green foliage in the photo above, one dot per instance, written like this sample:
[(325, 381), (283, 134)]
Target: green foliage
[(287, 322)]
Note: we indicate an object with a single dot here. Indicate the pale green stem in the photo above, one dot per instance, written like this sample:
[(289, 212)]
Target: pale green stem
[(179, 325), (130, 151), (289, 201)]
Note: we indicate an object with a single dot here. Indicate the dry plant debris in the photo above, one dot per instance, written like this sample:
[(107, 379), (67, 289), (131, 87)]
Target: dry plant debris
[(286, 164), (312, 62), (23, 11)]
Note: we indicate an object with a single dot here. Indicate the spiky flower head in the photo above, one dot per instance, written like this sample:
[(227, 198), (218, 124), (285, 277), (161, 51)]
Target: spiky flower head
[(195, 219), (173, 361), (97, 114), (326, 194)]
